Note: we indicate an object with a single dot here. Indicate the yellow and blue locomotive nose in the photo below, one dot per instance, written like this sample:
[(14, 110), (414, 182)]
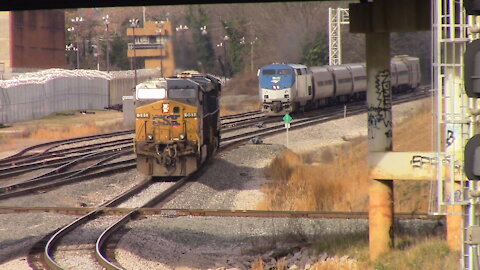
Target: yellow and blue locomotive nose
[(165, 121)]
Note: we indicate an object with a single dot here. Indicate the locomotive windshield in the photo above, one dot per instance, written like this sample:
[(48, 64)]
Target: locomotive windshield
[(277, 71), (284, 71), (186, 95), (268, 72), (276, 77)]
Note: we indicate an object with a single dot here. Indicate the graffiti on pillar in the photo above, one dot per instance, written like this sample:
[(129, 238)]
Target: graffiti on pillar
[(379, 115), (457, 196), (450, 137), (422, 162)]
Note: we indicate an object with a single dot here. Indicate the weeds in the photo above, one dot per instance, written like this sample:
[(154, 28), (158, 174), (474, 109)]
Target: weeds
[(350, 252), (335, 178), (423, 254), (54, 127)]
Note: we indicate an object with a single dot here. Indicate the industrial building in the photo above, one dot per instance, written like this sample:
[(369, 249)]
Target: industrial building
[(32, 40), (153, 42)]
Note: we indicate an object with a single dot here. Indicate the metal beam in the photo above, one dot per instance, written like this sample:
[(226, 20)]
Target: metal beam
[(410, 165), (390, 16)]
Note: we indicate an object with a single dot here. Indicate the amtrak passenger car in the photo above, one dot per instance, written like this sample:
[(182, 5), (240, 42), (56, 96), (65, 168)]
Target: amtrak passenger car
[(284, 87)]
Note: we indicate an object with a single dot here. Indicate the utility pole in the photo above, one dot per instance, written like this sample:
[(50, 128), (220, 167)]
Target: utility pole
[(76, 21), (243, 42), (106, 21), (182, 29), (134, 23), (160, 25)]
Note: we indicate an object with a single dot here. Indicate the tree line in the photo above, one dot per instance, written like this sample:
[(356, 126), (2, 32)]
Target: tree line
[(228, 39)]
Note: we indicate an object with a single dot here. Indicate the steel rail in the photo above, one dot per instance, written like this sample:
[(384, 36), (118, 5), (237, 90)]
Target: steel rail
[(63, 161), (174, 212), (240, 115), (327, 116), (21, 153), (48, 250), (242, 123), (100, 245), (114, 167), (58, 143), (25, 160), (57, 173), (101, 241), (74, 150)]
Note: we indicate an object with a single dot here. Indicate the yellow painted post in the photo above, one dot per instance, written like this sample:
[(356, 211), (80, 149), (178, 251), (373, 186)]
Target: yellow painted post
[(454, 228), (379, 102)]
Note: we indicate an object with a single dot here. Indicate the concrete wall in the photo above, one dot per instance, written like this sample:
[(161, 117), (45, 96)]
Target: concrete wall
[(123, 83), (30, 101), (128, 112), (34, 95)]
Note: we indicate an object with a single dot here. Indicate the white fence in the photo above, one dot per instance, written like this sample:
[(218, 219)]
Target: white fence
[(39, 94)]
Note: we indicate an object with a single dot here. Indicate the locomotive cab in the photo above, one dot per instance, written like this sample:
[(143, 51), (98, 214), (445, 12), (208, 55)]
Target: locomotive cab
[(176, 127)]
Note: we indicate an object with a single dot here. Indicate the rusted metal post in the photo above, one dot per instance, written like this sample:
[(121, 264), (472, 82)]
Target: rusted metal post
[(379, 102)]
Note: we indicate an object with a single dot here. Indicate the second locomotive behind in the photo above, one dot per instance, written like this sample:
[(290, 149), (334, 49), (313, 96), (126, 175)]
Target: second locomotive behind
[(177, 123)]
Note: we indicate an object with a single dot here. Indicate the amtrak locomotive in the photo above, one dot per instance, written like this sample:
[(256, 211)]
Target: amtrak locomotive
[(286, 88)]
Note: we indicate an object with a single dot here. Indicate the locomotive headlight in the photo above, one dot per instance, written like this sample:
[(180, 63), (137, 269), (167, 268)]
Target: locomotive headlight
[(181, 136), (150, 137), (287, 96), (166, 107), (265, 96)]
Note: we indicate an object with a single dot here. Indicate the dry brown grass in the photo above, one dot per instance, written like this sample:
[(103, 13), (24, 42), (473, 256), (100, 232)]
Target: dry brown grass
[(228, 108), (351, 253), (336, 263), (338, 179), (245, 83), (243, 92), (57, 127)]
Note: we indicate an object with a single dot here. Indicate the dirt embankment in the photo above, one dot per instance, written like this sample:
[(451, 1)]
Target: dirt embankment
[(57, 126), (335, 177)]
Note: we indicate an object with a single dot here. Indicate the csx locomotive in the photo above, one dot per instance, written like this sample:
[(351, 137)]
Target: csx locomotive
[(285, 88), (177, 123)]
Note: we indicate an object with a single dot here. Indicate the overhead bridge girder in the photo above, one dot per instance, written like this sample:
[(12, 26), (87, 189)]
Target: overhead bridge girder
[(390, 16)]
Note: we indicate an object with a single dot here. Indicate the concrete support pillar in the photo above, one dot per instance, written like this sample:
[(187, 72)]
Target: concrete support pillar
[(454, 228), (379, 103)]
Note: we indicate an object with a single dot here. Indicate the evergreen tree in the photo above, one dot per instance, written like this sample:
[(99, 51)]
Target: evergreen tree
[(235, 31), (198, 22), (315, 51), (118, 53)]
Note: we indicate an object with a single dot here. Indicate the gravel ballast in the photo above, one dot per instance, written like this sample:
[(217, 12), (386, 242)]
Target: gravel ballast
[(234, 243), (233, 181)]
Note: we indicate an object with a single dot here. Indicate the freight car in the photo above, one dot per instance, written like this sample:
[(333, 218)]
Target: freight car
[(286, 88), (177, 123)]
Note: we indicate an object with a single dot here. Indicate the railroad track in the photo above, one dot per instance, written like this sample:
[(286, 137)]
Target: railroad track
[(130, 213), (45, 150), (45, 253), (275, 125), (240, 115), (57, 176), (65, 157), (174, 212), (41, 255)]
